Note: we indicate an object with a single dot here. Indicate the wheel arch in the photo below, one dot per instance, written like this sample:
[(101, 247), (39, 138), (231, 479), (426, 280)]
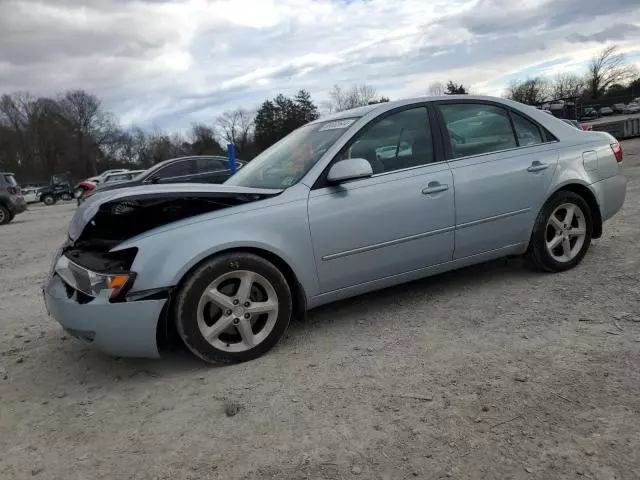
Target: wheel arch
[(166, 328), (585, 192)]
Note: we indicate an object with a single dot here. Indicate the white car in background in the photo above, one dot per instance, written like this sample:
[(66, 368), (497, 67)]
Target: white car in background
[(390, 151), (31, 194), (104, 175)]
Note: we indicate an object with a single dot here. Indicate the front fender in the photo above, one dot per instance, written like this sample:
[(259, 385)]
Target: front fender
[(282, 230)]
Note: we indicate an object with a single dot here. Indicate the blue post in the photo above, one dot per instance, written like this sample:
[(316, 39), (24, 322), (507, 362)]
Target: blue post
[(231, 154)]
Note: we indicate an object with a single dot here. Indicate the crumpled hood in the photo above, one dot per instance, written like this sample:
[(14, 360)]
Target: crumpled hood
[(87, 210)]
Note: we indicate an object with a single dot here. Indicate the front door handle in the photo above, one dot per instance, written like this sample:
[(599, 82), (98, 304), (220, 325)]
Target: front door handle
[(537, 166), (435, 187)]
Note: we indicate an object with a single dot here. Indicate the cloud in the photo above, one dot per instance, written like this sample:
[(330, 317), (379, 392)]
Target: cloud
[(174, 62), (616, 32)]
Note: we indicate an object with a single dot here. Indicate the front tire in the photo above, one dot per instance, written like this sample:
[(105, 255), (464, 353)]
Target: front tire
[(562, 233), (233, 308)]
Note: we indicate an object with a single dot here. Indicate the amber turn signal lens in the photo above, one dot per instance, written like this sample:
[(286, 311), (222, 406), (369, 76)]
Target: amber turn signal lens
[(116, 283)]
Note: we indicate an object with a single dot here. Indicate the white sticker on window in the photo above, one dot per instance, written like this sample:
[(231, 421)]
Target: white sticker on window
[(337, 124)]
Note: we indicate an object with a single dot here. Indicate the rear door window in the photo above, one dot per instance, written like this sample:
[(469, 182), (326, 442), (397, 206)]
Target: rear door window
[(178, 169), (475, 129)]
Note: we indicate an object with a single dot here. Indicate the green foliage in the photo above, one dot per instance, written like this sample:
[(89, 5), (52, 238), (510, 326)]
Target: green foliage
[(453, 88), (278, 117)]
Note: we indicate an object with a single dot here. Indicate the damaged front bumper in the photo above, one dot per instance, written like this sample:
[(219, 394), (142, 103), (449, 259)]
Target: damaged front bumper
[(127, 329), (92, 291)]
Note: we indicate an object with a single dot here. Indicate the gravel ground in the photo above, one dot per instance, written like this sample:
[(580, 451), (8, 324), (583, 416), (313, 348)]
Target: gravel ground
[(489, 372)]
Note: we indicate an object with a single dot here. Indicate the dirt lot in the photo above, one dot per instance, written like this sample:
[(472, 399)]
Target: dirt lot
[(489, 372)]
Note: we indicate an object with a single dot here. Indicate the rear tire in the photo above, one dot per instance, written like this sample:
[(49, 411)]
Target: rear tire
[(233, 308), (66, 197), (561, 234), (5, 215)]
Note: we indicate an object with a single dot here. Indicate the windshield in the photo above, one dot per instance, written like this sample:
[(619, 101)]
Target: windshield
[(285, 163)]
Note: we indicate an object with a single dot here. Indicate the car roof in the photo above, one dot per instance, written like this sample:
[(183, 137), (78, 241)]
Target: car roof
[(384, 106), (7, 173), (192, 157)]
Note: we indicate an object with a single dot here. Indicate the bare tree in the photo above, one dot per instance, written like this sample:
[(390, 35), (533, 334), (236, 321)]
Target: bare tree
[(91, 124), (436, 89), (236, 126), (567, 85), (532, 91), (203, 140), (356, 96), (18, 111), (607, 68)]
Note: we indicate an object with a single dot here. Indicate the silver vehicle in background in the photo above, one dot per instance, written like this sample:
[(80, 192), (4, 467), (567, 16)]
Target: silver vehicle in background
[(321, 216), (121, 176)]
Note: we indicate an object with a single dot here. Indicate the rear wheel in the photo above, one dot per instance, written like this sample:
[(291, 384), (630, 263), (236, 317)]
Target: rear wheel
[(233, 308), (5, 215), (562, 233), (66, 197)]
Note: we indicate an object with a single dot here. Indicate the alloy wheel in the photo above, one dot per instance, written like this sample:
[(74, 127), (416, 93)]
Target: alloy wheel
[(566, 232), (237, 311)]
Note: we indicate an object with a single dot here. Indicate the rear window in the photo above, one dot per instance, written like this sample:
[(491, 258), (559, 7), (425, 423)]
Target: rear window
[(10, 180)]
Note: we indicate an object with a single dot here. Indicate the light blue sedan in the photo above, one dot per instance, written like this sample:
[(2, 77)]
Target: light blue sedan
[(319, 217)]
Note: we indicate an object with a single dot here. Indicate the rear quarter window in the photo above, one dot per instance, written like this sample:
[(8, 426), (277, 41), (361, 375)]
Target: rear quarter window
[(528, 132)]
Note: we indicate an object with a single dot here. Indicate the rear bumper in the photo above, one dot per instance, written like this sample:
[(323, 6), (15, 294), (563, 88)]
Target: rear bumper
[(610, 193), (126, 329)]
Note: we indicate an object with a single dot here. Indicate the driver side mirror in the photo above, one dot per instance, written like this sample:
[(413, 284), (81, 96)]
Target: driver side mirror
[(155, 179), (350, 169)]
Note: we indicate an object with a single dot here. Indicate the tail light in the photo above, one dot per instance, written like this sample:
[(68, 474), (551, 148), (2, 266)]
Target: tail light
[(13, 190), (617, 151)]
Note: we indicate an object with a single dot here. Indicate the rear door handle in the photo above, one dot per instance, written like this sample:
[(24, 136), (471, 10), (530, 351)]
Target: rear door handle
[(537, 166), (435, 187)]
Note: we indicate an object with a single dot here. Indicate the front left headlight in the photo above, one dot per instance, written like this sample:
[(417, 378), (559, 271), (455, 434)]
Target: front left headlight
[(93, 283)]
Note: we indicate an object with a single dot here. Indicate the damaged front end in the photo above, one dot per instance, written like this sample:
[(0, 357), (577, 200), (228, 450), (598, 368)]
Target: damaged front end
[(90, 262)]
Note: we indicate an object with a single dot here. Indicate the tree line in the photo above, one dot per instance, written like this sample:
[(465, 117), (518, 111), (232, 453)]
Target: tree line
[(72, 133), (607, 76)]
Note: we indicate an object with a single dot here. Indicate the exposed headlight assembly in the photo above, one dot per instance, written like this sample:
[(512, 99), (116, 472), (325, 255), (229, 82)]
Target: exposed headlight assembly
[(93, 283)]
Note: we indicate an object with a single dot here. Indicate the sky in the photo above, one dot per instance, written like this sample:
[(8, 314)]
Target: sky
[(174, 62)]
